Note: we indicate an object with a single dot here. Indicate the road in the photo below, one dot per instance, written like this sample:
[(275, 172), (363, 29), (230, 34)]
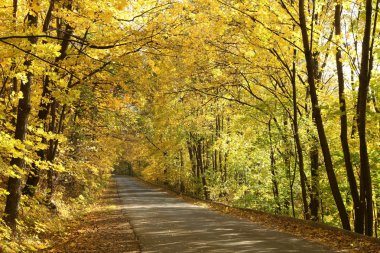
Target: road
[(167, 224)]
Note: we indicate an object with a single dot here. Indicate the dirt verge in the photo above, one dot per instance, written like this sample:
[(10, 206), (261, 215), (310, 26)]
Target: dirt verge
[(104, 229)]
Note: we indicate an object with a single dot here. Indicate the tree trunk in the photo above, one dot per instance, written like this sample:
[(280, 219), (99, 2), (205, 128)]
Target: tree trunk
[(23, 111), (198, 150), (273, 170), (192, 158), (364, 78), (314, 169), (202, 167), (319, 122), (34, 174), (358, 224), (181, 169), (298, 142), (220, 152)]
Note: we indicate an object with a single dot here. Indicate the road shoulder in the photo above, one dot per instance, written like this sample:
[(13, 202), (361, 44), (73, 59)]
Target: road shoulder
[(104, 229)]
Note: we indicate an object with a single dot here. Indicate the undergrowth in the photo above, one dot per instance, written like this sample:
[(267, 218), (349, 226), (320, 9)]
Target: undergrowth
[(40, 222)]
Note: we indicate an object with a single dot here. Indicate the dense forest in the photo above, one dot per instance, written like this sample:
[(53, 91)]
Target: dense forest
[(269, 105)]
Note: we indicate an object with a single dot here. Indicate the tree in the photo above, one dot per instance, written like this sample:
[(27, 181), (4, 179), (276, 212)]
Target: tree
[(23, 111), (344, 129), (364, 80), (318, 120)]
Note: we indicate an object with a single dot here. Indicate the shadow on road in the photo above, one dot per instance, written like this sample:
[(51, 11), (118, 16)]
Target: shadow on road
[(164, 223)]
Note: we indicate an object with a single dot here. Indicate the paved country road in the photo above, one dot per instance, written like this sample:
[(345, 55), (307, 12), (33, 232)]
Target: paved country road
[(164, 223)]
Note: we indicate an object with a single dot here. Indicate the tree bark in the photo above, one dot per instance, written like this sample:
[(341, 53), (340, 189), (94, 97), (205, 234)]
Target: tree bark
[(358, 223), (314, 171), (191, 157), (273, 171), (298, 141), (34, 174), (364, 78), (201, 166), (181, 169)]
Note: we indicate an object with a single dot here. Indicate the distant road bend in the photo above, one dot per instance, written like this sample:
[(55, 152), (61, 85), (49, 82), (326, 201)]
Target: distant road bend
[(167, 224)]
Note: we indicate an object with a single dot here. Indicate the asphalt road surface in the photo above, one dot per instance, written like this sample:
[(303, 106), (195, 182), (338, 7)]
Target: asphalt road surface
[(167, 224)]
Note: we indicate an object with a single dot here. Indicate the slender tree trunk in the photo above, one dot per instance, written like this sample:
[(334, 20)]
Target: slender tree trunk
[(273, 170), (220, 152), (319, 122), (205, 168), (355, 117), (59, 131), (358, 224), (181, 169), (198, 151), (288, 154), (214, 154), (192, 158), (314, 169), (34, 174), (364, 78), (225, 166), (292, 185), (202, 169), (298, 142)]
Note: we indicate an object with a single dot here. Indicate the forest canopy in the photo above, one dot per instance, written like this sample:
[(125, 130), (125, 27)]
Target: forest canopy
[(270, 105)]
